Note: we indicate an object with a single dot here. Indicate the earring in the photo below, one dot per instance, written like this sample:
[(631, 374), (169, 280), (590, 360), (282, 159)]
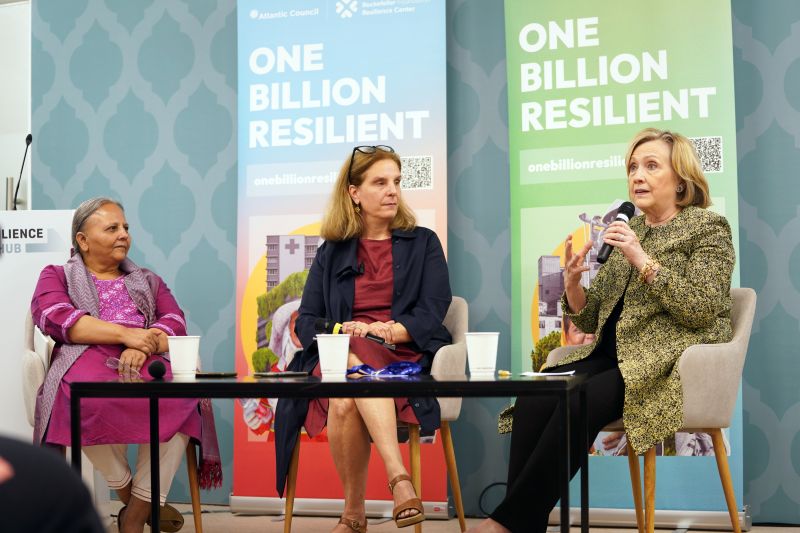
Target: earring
[(679, 189), (357, 208)]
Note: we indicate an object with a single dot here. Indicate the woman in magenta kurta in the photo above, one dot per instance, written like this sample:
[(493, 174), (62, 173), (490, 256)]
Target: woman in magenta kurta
[(110, 319), (54, 314)]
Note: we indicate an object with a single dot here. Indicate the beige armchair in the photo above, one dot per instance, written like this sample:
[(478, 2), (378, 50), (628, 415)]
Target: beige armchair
[(35, 364), (449, 360), (710, 378)]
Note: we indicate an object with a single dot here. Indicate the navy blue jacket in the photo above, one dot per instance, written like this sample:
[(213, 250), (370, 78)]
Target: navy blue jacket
[(420, 301)]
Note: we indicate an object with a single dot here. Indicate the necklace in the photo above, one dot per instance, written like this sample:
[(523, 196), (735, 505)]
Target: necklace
[(663, 220)]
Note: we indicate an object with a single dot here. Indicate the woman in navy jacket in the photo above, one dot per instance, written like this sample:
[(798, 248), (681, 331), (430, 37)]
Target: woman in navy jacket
[(379, 273)]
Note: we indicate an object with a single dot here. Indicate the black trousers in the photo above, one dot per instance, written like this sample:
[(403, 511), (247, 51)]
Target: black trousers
[(45, 495), (533, 468)]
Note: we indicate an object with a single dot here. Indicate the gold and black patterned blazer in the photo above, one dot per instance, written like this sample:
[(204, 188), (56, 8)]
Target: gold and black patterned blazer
[(687, 303)]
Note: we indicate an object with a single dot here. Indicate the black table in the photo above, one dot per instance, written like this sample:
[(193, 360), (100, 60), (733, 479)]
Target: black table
[(312, 387)]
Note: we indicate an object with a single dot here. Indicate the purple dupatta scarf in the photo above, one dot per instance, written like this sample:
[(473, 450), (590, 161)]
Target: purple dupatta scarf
[(142, 287)]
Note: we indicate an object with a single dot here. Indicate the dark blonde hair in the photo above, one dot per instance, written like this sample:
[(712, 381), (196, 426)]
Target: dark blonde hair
[(685, 163), (341, 222)]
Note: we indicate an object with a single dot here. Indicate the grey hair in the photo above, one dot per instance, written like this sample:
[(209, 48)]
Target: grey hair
[(83, 212)]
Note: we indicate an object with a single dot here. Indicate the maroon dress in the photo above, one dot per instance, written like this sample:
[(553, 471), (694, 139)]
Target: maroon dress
[(372, 302)]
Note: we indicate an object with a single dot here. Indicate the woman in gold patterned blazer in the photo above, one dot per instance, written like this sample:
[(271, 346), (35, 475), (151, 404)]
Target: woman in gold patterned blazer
[(666, 288)]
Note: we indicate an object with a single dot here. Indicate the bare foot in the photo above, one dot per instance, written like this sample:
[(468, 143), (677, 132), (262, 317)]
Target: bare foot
[(134, 516), (404, 491), (359, 525), (488, 526)]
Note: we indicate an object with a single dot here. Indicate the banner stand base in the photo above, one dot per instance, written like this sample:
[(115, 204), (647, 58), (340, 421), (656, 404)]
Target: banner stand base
[(679, 520), (327, 507)]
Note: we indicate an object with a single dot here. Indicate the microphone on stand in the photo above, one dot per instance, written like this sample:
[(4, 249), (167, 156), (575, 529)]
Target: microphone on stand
[(28, 141), (624, 214), (326, 325)]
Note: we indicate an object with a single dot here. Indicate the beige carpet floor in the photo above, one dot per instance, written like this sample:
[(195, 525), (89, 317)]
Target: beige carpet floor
[(217, 519)]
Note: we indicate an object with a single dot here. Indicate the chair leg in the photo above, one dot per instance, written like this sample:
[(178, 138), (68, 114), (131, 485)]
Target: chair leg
[(650, 489), (725, 476), (452, 473), (416, 470), (291, 484), (636, 487), (194, 486)]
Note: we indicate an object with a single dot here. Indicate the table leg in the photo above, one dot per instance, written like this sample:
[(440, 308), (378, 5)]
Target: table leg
[(155, 489), (563, 459), (583, 440), (75, 425)]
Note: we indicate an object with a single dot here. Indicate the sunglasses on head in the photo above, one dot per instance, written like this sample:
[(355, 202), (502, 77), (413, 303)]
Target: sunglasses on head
[(366, 150)]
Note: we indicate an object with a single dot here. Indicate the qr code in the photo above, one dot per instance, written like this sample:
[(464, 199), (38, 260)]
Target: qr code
[(417, 172), (709, 149)]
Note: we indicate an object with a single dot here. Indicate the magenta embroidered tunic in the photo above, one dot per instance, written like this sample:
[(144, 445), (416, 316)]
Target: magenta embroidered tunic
[(113, 420)]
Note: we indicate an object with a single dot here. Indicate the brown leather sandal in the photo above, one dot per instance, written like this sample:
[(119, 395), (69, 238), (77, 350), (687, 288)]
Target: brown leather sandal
[(170, 519), (414, 504), (354, 524)]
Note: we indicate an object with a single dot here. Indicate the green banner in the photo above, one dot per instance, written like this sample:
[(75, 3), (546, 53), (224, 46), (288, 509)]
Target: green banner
[(583, 78)]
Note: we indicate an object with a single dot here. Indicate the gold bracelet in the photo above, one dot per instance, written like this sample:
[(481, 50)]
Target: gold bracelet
[(655, 271), (646, 268)]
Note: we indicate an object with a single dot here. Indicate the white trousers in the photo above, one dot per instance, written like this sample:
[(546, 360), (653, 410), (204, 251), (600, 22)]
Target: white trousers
[(112, 461)]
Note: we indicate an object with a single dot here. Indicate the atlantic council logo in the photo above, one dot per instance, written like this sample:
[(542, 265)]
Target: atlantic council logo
[(346, 8)]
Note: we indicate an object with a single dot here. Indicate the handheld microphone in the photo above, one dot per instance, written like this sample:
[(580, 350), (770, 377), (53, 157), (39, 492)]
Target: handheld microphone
[(157, 369), (326, 325), (28, 141), (624, 214)]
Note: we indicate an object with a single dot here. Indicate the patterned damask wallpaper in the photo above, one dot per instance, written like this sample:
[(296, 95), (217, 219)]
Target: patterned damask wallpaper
[(138, 99), (766, 39)]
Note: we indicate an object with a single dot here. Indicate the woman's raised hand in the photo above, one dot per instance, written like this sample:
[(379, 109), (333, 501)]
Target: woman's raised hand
[(574, 267), (574, 263), (143, 340)]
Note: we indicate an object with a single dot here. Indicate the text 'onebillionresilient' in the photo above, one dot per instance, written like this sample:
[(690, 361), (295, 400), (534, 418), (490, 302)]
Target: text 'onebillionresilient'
[(538, 114), (320, 93)]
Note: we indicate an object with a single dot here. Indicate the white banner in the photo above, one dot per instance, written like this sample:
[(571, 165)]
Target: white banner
[(30, 240)]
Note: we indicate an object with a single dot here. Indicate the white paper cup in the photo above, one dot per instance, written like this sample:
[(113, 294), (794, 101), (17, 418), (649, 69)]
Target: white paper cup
[(482, 352), (333, 352), (184, 353)]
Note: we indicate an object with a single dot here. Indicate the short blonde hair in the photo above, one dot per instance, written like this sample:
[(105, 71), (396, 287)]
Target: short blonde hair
[(341, 222), (685, 163)]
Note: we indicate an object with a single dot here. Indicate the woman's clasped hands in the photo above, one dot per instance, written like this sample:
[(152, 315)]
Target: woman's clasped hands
[(147, 341), (383, 330), (139, 345)]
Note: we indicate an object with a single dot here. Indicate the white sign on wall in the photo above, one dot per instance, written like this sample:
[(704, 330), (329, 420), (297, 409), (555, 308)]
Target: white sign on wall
[(29, 241)]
